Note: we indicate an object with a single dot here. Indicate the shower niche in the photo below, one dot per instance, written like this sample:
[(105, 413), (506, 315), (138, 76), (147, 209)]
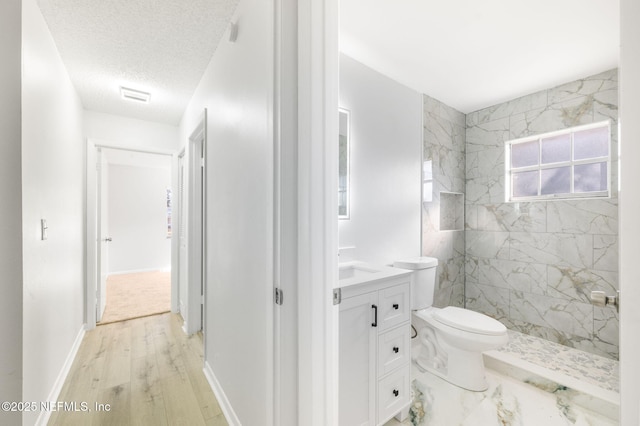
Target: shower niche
[(451, 211)]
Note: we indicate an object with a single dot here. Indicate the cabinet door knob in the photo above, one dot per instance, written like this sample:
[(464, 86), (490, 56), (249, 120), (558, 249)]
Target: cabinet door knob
[(396, 392), (396, 349), (396, 306)]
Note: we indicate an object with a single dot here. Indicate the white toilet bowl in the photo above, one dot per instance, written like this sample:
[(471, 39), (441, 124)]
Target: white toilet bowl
[(452, 341)]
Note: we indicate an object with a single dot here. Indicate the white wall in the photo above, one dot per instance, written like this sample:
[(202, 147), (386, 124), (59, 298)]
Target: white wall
[(237, 91), (10, 213), (386, 153), (137, 218), (126, 131), (53, 189)]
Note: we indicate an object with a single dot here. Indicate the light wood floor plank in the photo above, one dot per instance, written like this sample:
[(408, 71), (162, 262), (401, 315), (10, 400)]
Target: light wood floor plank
[(181, 402), (142, 338), (118, 401), (147, 401), (147, 369)]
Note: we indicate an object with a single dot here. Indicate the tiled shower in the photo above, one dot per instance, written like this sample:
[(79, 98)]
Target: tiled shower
[(532, 265)]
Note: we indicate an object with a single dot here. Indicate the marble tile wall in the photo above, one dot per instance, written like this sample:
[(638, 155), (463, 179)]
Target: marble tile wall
[(533, 265), (444, 144)]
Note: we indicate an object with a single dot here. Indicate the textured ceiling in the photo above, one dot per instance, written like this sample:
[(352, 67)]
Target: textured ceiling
[(159, 46), (472, 54)]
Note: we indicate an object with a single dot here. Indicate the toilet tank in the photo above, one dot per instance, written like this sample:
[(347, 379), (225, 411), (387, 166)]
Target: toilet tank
[(423, 282)]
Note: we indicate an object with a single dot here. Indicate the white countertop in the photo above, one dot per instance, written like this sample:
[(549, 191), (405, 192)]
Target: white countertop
[(356, 272)]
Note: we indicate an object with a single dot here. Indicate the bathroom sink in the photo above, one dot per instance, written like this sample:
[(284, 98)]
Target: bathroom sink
[(355, 271)]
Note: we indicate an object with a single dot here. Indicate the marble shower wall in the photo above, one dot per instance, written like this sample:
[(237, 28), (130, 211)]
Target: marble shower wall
[(444, 145), (533, 265)]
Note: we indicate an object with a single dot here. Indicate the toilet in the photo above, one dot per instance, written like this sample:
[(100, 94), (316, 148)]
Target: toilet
[(451, 340)]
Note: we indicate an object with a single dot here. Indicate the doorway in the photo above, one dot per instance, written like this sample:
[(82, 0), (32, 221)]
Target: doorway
[(129, 233), (135, 226), (192, 252)]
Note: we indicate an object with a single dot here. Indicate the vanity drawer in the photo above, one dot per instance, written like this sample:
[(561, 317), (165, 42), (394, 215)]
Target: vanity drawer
[(393, 349), (394, 306), (394, 394)]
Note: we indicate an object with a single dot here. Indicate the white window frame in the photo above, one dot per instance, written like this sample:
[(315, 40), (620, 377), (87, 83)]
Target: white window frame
[(539, 167)]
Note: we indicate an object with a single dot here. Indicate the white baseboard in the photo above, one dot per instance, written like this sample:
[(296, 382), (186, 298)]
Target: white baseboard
[(224, 403), (43, 418)]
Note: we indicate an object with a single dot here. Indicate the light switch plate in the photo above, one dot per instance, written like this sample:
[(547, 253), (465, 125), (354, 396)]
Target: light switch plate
[(43, 229)]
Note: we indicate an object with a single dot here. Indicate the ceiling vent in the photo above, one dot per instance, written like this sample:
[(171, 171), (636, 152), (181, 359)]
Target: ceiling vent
[(135, 95)]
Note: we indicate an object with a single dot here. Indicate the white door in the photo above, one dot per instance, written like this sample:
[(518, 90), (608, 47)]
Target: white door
[(103, 235), (629, 212)]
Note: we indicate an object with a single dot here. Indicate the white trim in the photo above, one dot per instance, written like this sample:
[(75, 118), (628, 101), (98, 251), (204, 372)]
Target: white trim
[(43, 418), (229, 414), (285, 234), (91, 234), (196, 225), (629, 126), (175, 237), (318, 60), (104, 143), (91, 226)]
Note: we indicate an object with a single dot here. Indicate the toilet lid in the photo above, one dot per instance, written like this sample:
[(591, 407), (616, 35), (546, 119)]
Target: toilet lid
[(474, 322)]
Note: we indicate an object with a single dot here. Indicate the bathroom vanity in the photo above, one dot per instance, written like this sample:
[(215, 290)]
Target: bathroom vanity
[(375, 335)]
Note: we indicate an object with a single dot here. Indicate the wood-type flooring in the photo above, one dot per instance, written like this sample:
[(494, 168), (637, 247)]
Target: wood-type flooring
[(145, 370)]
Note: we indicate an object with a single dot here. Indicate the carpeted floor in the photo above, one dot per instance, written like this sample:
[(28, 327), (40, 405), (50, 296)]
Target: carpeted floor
[(137, 295)]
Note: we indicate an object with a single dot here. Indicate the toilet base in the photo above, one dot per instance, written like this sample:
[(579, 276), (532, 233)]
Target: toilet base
[(450, 354), (470, 377)]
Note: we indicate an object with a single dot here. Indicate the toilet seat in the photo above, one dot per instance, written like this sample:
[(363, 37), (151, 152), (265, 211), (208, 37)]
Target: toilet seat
[(470, 321)]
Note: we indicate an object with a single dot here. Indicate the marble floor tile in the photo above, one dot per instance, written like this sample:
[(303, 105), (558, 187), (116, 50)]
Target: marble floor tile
[(524, 389), (507, 402)]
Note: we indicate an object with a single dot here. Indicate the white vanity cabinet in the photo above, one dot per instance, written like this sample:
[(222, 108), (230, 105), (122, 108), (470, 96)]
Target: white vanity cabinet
[(375, 334)]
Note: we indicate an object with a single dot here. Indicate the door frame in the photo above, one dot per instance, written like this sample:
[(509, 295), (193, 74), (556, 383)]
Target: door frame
[(92, 221), (179, 228), (629, 131), (317, 210), (196, 228)]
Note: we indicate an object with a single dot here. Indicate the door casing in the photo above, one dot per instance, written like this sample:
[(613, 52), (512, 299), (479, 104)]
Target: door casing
[(93, 221)]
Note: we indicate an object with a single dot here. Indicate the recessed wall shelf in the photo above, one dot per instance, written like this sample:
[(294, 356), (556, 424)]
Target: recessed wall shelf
[(451, 211)]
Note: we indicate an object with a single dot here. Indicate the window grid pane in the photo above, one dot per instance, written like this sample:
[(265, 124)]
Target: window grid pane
[(555, 181), (525, 154), (556, 149), (526, 184), (591, 143), (561, 164)]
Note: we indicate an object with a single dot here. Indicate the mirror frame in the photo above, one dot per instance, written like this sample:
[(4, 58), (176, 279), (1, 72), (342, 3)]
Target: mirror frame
[(344, 131)]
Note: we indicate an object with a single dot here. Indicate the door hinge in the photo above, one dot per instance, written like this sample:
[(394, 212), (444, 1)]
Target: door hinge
[(337, 296), (279, 296), (202, 162)]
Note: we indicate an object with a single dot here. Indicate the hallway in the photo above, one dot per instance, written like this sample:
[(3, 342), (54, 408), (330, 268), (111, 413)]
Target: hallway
[(147, 371)]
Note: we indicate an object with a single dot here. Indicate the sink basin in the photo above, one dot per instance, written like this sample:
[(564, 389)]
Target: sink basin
[(355, 271)]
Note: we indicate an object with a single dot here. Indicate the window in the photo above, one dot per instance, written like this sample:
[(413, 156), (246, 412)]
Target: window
[(571, 163)]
